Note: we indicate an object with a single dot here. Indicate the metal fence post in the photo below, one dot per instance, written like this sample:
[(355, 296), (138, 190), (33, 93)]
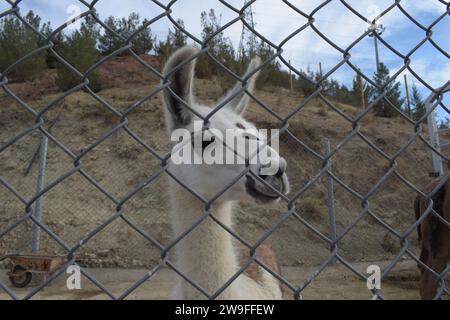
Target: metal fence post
[(37, 152), (434, 134), (378, 29), (330, 199), (35, 244), (438, 169)]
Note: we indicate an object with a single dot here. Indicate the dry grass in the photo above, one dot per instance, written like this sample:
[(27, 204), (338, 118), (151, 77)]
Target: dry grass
[(120, 164)]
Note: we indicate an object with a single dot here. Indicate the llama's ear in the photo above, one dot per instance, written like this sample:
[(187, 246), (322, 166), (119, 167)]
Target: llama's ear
[(179, 72), (240, 101)]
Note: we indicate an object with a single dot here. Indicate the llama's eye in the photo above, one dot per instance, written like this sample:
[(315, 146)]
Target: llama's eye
[(240, 126), (206, 143), (249, 136)]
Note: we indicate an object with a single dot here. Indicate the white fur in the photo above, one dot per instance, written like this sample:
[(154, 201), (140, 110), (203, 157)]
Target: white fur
[(207, 255)]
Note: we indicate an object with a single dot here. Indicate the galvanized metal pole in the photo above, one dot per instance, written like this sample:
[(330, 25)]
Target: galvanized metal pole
[(434, 134), (377, 30), (438, 169), (361, 88), (330, 199), (35, 244), (377, 53), (37, 152), (291, 82), (408, 100)]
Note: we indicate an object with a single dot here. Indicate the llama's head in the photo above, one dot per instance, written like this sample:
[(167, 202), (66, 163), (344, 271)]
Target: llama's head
[(209, 177)]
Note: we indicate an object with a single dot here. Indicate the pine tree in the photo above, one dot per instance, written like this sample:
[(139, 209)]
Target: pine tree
[(344, 94), (219, 46), (250, 40), (16, 41), (80, 50), (143, 41), (108, 42), (175, 40), (271, 74), (444, 124), (418, 104), (57, 40), (306, 87), (393, 93)]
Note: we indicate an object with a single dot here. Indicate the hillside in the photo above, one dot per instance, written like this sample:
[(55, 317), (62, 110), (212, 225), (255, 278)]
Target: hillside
[(119, 164)]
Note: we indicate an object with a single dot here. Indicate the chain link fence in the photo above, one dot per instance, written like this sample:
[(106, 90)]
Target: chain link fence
[(85, 194)]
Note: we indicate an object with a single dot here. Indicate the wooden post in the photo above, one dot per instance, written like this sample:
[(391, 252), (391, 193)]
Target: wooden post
[(361, 88), (290, 78), (408, 100)]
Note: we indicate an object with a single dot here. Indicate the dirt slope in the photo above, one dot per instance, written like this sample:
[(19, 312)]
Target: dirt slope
[(120, 164)]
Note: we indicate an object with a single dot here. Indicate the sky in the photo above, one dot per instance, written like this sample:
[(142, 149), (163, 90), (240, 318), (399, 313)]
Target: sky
[(275, 20)]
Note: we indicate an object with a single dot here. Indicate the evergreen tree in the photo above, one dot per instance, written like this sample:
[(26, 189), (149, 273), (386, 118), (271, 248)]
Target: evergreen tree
[(219, 46), (175, 40), (444, 124), (250, 40), (394, 95), (16, 41), (143, 41), (80, 50), (57, 40), (344, 94), (108, 43), (163, 50), (271, 74), (304, 85), (417, 104)]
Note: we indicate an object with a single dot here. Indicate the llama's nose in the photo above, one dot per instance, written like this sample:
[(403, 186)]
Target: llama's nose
[(282, 165)]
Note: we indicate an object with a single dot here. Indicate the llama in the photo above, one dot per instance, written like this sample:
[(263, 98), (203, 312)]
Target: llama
[(208, 255), (434, 236)]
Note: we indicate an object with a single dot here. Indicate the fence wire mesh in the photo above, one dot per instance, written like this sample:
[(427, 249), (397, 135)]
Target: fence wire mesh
[(106, 206)]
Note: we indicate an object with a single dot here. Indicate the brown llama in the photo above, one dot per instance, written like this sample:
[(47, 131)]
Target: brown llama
[(434, 236)]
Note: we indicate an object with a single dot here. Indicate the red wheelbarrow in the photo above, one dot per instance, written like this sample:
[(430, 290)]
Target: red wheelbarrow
[(23, 266)]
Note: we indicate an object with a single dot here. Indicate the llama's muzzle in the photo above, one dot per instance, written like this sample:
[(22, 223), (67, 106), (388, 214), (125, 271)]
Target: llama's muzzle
[(268, 188)]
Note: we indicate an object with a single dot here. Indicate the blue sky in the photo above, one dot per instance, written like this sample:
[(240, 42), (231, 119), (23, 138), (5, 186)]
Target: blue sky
[(275, 20)]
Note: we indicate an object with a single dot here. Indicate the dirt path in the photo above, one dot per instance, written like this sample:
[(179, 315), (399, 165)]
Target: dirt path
[(336, 282)]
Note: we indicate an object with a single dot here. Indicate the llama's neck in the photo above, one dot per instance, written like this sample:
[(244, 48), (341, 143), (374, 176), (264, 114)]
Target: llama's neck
[(206, 255)]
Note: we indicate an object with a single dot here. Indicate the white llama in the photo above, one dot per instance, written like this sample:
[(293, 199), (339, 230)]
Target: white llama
[(209, 255)]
